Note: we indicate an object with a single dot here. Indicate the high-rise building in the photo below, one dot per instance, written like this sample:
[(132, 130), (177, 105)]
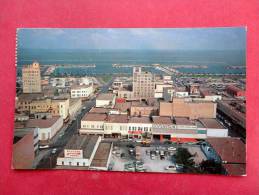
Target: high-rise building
[(31, 78), (143, 84)]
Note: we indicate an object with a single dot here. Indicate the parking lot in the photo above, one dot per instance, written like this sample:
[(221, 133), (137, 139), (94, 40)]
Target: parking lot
[(155, 158)]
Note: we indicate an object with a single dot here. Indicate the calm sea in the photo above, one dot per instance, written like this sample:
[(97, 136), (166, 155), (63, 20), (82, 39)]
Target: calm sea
[(103, 59)]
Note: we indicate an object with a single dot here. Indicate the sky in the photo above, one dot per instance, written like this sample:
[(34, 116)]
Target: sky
[(134, 38)]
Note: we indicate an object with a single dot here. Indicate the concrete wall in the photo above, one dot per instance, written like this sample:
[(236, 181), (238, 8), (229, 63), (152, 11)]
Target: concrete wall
[(193, 110)]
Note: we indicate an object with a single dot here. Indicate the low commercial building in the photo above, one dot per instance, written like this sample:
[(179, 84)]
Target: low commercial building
[(116, 125), (39, 104), (159, 89), (25, 149), (93, 123), (75, 105), (235, 91), (193, 88), (21, 117), (125, 93), (235, 111), (102, 157), (47, 128), (182, 107), (231, 152), (142, 108), (81, 91), (182, 128), (213, 127), (137, 126), (106, 100), (208, 95), (79, 151), (61, 108)]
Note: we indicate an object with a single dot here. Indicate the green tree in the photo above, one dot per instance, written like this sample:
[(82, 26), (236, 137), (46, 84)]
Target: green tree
[(184, 157)]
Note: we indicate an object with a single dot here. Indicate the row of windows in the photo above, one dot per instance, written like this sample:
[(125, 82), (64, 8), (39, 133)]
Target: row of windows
[(70, 163), (79, 91), (139, 128), (93, 126)]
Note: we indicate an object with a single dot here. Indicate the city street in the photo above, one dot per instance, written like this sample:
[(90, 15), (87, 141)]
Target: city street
[(45, 158)]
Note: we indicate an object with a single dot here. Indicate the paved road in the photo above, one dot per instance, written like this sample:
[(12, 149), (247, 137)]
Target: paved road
[(45, 159)]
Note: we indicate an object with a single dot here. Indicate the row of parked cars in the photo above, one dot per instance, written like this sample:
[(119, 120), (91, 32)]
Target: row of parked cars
[(134, 166), (162, 153)]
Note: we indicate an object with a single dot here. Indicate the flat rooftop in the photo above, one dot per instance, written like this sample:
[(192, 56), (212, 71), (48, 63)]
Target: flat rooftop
[(74, 87), (99, 110), (102, 155), (232, 150), (123, 107), (162, 120), (211, 123), (206, 92), (82, 142), (94, 117), (42, 123), (141, 119), (30, 96), (182, 121), (117, 118), (235, 169), (105, 96), (73, 101)]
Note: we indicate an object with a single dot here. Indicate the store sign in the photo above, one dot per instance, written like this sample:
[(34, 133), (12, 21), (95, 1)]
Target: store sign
[(73, 153)]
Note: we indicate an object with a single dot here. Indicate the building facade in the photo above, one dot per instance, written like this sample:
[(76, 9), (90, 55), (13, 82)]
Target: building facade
[(143, 84), (31, 78), (79, 151), (47, 128), (81, 91), (181, 107), (106, 100)]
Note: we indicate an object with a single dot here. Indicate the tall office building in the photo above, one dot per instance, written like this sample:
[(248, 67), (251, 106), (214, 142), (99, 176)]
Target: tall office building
[(143, 84), (31, 78)]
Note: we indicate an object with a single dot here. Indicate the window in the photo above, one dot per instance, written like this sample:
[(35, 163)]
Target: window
[(62, 162), (77, 164)]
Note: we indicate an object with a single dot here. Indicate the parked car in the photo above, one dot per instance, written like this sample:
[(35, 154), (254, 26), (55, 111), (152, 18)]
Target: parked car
[(170, 168), (54, 150), (172, 149), (162, 157), (152, 155), (179, 166), (44, 147), (123, 155)]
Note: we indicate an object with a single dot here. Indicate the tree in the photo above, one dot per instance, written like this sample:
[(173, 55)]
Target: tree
[(184, 157), (210, 166)]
